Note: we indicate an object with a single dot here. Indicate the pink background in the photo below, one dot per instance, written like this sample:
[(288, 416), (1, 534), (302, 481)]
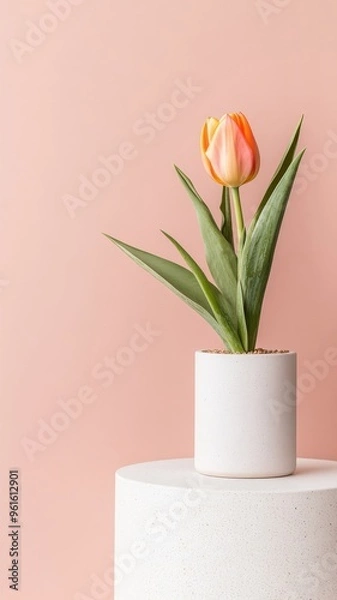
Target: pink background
[(71, 303)]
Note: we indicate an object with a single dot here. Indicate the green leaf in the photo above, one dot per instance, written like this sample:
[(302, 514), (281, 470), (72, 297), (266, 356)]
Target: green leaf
[(259, 248), (220, 255), (178, 279), (242, 318), (229, 334), (280, 171), (227, 225)]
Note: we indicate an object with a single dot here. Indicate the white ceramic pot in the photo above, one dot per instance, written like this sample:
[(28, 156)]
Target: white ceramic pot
[(245, 414)]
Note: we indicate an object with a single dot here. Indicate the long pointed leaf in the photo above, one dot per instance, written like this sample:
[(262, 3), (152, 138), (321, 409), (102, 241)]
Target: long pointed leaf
[(178, 279), (280, 171), (227, 225), (242, 323), (220, 255), (229, 334), (259, 248)]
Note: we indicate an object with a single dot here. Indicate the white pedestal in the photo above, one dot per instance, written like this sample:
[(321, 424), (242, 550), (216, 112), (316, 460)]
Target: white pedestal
[(185, 536)]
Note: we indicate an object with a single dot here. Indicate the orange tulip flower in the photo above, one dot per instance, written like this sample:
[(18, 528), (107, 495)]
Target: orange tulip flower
[(229, 151)]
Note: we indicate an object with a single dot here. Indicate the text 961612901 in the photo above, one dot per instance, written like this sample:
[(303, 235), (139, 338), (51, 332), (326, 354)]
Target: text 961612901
[(14, 530)]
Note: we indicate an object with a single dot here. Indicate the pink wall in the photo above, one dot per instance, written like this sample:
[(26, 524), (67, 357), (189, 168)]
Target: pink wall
[(72, 304)]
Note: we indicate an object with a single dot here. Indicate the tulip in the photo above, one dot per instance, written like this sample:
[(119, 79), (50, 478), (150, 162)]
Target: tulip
[(229, 151)]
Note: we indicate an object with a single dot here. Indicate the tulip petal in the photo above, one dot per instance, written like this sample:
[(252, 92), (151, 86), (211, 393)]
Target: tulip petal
[(244, 126), (211, 127), (207, 133), (229, 153)]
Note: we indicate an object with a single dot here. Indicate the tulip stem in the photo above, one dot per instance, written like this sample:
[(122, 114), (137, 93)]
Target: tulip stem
[(238, 215)]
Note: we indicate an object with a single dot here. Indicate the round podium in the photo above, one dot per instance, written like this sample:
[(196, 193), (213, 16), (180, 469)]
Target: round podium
[(184, 536)]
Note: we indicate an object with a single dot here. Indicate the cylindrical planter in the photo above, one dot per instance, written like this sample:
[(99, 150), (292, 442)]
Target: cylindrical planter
[(245, 414)]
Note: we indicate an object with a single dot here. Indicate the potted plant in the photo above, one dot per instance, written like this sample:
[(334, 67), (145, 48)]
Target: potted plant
[(238, 432)]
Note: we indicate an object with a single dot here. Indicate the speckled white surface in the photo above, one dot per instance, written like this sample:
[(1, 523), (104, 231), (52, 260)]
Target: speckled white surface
[(184, 536)]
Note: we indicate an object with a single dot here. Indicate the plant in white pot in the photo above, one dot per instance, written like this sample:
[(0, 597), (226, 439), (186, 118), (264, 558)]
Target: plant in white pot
[(240, 430)]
